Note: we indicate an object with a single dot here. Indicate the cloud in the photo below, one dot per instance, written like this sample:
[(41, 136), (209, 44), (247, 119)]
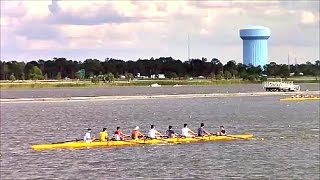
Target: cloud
[(308, 17), (39, 31), (133, 29), (99, 13), (13, 9)]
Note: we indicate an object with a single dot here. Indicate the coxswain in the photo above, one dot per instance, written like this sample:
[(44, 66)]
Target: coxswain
[(186, 132), (201, 131), (87, 137), (170, 133), (136, 134), (154, 133), (222, 131), (119, 135), (103, 135)]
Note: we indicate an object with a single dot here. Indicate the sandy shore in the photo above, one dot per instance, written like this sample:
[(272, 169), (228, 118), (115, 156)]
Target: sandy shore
[(114, 98)]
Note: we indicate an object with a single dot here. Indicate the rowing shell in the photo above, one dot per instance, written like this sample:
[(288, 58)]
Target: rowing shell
[(300, 99), (177, 140)]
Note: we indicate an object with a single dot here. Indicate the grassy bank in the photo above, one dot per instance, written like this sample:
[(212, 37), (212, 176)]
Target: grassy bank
[(59, 84), (302, 79)]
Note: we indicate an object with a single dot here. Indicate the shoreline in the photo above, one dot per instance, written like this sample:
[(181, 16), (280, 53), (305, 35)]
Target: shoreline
[(139, 97), (28, 84)]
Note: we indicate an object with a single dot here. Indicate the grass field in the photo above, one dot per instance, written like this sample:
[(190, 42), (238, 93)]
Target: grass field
[(87, 83)]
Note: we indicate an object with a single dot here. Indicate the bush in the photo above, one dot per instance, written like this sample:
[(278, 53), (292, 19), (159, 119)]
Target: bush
[(171, 75), (227, 75), (12, 77), (109, 77), (95, 80), (219, 75), (36, 73)]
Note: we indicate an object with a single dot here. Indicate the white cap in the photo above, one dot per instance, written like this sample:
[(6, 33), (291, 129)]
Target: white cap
[(136, 128)]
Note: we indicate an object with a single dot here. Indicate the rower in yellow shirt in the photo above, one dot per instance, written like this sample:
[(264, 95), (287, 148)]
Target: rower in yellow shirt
[(103, 135)]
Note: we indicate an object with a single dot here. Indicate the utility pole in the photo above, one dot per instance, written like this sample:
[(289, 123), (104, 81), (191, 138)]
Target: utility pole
[(188, 48), (288, 62)]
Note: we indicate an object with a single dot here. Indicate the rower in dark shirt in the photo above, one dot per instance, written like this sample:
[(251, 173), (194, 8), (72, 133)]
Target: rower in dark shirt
[(170, 133), (222, 131), (201, 131)]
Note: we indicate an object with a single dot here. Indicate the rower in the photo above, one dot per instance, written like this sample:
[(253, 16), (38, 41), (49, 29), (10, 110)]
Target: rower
[(201, 131), (87, 137), (222, 131), (103, 135), (136, 134), (170, 133), (186, 132), (119, 135), (154, 133)]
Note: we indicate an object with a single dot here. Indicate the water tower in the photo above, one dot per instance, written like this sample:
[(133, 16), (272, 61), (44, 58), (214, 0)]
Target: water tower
[(255, 45)]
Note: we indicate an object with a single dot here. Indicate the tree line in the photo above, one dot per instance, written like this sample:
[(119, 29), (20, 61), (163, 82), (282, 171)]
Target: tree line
[(59, 68)]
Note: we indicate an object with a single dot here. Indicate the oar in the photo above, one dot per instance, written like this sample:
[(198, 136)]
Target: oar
[(75, 140), (262, 139)]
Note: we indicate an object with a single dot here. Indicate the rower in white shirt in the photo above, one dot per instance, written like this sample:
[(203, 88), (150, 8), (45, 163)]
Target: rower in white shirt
[(186, 132), (154, 133), (87, 137)]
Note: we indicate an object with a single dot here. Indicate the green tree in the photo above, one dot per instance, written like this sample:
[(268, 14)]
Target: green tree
[(36, 73), (58, 76), (77, 75), (285, 72), (212, 76), (16, 68), (227, 75), (28, 69), (12, 77), (91, 75), (3, 70), (45, 76), (129, 76), (219, 75), (171, 75), (252, 77), (23, 77), (109, 77), (234, 73)]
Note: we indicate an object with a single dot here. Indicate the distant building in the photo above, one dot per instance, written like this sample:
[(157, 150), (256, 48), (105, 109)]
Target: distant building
[(158, 76), (255, 45), (161, 76)]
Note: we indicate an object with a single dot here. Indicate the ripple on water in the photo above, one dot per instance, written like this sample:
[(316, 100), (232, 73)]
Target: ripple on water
[(290, 149)]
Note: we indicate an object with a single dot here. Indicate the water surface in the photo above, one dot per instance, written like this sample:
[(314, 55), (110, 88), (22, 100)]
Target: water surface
[(290, 149), (138, 90)]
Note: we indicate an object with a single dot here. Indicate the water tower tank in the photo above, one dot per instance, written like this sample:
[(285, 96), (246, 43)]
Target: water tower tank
[(255, 45)]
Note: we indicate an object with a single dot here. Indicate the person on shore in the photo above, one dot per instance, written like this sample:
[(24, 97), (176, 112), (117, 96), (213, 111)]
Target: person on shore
[(154, 133), (103, 135), (222, 131), (136, 134), (170, 133), (119, 135), (186, 132), (87, 137), (201, 131)]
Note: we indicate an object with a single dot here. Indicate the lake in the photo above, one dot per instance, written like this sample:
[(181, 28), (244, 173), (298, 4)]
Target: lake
[(290, 149), (138, 90)]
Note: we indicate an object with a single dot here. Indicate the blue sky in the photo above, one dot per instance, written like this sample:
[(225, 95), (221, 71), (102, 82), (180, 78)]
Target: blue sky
[(43, 29)]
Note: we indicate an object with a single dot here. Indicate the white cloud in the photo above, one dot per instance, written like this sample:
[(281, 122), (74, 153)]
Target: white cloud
[(308, 17), (156, 28)]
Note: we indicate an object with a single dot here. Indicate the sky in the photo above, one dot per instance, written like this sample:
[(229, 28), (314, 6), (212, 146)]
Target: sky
[(128, 30)]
